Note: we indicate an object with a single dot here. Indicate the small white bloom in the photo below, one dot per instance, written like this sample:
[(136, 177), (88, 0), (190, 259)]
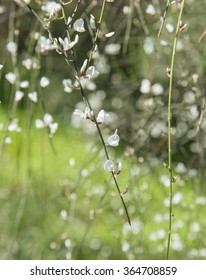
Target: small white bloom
[(67, 83), (148, 45), (169, 27), (157, 89), (109, 166), (91, 73), (108, 35), (44, 82), (12, 48), (33, 96), (53, 127), (79, 25), (39, 123), (69, 20), (114, 139), (27, 63), (119, 168), (8, 140), (13, 126), (101, 117), (48, 119), (51, 8), (92, 22), (145, 86), (112, 49), (150, 10), (18, 95), (87, 114), (24, 84), (83, 68), (1, 66), (66, 44), (11, 77)]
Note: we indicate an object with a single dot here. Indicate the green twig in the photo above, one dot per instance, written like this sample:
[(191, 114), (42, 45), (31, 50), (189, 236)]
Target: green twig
[(163, 18), (169, 128)]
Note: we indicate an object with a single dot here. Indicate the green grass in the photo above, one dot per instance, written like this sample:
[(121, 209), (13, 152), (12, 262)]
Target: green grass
[(45, 203)]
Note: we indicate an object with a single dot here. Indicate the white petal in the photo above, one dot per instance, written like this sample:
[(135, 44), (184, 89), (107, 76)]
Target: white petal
[(44, 82), (48, 119), (91, 72), (112, 49), (84, 65), (1, 66), (110, 34), (109, 166), (79, 25), (114, 139), (102, 116), (12, 47), (24, 84), (79, 113), (11, 77), (33, 96), (92, 22), (53, 127), (39, 123), (18, 95)]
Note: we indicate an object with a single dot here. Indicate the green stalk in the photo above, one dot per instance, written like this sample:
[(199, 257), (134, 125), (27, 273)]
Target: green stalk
[(170, 168), (163, 18)]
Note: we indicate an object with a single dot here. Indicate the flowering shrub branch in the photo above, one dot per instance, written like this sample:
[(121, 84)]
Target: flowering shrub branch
[(65, 46)]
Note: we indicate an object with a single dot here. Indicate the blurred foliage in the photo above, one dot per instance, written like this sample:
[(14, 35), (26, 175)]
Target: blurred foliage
[(58, 204), (134, 79)]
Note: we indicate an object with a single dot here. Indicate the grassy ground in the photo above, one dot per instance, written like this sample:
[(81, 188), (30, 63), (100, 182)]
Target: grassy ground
[(63, 205)]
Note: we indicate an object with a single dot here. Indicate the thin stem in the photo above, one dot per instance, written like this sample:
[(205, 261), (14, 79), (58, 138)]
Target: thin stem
[(129, 27), (169, 129), (163, 18)]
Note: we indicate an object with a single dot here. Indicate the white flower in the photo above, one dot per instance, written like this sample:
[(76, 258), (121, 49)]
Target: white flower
[(92, 23), (27, 63), (12, 48), (48, 119), (1, 66), (150, 10), (114, 139), (157, 89), (145, 86), (112, 49), (13, 126), (91, 73), (24, 84), (79, 25), (169, 27), (39, 123), (83, 68), (11, 77), (44, 44), (18, 95), (33, 96), (108, 35), (51, 8), (47, 122), (53, 127), (109, 166), (67, 83), (87, 114), (8, 140), (66, 44), (44, 82), (101, 117)]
